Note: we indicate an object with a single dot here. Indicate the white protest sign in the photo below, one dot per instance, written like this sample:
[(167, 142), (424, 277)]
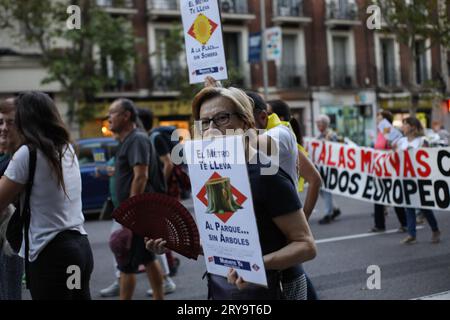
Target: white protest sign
[(391, 133), (224, 207), (203, 40)]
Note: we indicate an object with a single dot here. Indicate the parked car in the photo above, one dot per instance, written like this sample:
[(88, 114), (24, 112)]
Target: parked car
[(95, 188)]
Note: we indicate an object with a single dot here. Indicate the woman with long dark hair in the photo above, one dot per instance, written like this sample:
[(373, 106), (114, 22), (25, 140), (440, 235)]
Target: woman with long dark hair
[(59, 259)]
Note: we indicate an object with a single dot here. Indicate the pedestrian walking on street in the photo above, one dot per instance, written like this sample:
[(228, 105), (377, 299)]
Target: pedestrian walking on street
[(113, 290), (137, 171), (162, 147), (325, 133), (381, 143), (56, 239), (414, 139)]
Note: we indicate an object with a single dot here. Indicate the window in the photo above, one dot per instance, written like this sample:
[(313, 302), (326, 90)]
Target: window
[(120, 80), (290, 72), (161, 51), (231, 41), (421, 63), (290, 8), (342, 73), (167, 66), (388, 68), (342, 9)]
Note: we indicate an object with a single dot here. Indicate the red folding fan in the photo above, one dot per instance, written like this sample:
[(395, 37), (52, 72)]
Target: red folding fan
[(155, 216)]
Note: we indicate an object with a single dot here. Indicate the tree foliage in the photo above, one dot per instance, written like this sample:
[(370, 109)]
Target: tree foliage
[(68, 55), (412, 20)]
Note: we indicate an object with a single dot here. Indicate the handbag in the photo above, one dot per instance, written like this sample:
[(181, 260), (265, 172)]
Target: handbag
[(19, 224), (220, 289), (120, 244)]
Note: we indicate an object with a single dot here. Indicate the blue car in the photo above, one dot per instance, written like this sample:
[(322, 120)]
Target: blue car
[(95, 189)]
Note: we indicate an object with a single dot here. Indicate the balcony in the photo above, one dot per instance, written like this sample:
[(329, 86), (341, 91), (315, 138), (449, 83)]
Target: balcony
[(163, 9), (388, 78), (343, 77), (342, 13), (169, 79), (117, 6), (233, 10), (289, 11), (118, 86), (292, 77)]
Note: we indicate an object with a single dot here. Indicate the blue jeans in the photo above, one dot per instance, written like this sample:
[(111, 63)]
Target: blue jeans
[(411, 220), (328, 202)]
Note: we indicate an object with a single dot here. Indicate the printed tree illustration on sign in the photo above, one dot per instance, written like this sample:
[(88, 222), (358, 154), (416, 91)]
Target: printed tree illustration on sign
[(220, 197), (236, 196)]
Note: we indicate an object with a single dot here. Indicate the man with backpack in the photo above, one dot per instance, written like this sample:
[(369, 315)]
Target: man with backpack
[(165, 139)]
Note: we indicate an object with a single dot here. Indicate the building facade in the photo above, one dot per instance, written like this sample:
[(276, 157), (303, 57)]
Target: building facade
[(331, 63)]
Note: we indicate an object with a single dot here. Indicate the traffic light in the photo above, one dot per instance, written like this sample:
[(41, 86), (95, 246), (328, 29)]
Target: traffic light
[(448, 105)]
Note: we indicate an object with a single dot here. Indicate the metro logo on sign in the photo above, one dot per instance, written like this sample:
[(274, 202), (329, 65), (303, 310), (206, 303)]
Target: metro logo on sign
[(240, 199), (202, 29)]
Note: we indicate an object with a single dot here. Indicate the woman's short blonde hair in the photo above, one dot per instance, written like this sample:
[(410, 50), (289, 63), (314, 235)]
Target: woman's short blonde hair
[(240, 100)]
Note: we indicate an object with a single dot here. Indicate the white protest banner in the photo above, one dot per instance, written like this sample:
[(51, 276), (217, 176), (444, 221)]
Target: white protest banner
[(224, 207), (203, 40), (417, 178)]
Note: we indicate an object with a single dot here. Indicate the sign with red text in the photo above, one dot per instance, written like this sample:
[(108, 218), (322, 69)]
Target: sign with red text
[(417, 178)]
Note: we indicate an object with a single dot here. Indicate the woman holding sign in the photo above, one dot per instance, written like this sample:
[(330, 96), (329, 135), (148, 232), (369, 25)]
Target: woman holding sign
[(414, 139), (382, 143), (284, 234)]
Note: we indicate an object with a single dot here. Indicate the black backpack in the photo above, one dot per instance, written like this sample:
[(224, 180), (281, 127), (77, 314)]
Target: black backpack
[(155, 171), (166, 133)]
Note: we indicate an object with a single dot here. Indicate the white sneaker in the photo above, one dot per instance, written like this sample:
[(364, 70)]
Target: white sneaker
[(169, 287), (112, 291)]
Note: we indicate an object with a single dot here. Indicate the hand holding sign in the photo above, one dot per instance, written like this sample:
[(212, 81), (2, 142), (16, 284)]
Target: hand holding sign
[(234, 278), (211, 82)]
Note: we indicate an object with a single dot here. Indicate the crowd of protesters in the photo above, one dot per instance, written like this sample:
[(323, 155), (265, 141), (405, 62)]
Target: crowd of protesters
[(41, 184)]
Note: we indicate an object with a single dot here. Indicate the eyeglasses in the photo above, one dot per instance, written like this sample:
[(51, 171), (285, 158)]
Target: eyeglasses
[(115, 112), (221, 119)]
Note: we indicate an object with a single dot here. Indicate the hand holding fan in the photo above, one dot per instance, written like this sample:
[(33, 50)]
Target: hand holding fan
[(155, 216)]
